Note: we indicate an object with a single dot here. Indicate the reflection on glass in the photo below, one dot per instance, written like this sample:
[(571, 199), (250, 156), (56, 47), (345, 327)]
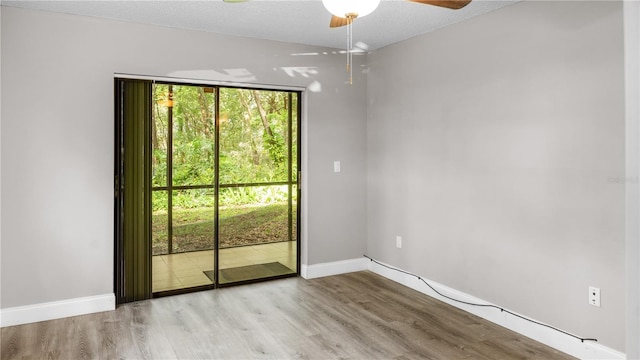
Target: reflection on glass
[(193, 220), (294, 137), (159, 223), (253, 215), (159, 136), (254, 233), (193, 135), (253, 136), (294, 213)]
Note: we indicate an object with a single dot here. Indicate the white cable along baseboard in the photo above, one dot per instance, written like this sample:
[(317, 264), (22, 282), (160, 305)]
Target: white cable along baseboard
[(547, 336), (583, 350)]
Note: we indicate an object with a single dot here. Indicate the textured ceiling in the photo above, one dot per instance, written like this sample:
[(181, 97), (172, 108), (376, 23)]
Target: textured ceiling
[(305, 22)]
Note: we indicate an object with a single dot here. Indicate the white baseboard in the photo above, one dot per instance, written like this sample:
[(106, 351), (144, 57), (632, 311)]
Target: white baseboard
[(333, 268), (565, 343), (56, 310), (547, 336)]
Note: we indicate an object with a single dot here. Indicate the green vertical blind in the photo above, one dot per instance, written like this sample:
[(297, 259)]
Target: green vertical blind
[(134, 203)]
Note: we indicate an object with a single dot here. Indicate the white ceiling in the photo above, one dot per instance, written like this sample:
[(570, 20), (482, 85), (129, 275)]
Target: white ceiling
[(305, 22)]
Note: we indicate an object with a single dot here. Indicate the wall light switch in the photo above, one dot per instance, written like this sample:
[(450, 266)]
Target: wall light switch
[(336, 166)]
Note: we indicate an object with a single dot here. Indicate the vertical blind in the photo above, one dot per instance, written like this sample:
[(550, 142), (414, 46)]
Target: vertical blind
[(133, 191)]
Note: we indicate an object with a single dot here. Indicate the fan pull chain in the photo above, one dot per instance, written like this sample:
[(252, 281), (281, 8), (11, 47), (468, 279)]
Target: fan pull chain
[(349, 39), (350, 18)]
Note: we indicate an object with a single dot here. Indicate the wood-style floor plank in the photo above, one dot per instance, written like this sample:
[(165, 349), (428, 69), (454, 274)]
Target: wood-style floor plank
[(352, 316)]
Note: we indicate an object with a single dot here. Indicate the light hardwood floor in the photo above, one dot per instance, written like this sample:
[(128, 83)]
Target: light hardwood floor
[(352, 316)]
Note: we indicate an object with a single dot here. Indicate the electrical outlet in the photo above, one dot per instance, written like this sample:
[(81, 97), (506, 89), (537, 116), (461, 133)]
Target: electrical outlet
[(398, 241), (594, 296)]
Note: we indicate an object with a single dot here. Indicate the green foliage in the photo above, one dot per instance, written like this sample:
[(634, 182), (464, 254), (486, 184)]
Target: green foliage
[(253, 143), (254, 148)]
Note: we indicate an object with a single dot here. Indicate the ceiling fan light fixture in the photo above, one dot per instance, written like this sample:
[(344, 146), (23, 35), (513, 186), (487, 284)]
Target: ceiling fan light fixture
[(343, 8)]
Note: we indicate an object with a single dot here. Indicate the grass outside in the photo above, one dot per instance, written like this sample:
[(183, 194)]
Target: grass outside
[(239, 226)]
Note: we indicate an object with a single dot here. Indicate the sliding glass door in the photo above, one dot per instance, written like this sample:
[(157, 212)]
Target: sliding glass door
[(183, 186), (221, 167), (258, 185)]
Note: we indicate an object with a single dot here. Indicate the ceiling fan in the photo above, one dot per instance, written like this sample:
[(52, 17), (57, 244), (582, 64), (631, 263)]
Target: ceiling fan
[(345, 11)]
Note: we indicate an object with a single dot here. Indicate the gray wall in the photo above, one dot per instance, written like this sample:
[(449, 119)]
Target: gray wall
[(495, 147), (632, 80), (57, 141), (496, 150), (0, 156)]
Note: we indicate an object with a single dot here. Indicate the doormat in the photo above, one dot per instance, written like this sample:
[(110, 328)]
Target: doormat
[(250, 272)]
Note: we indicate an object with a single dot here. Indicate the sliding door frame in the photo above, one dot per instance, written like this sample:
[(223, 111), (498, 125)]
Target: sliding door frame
[(120, 277)]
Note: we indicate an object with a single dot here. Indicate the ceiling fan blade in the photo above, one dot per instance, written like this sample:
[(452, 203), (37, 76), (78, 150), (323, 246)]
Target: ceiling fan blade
[(337, 21), (449, 4)]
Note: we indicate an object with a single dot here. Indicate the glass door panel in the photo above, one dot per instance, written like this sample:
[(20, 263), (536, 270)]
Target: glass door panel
[(257, 207), (183, 187), (255, 234)]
